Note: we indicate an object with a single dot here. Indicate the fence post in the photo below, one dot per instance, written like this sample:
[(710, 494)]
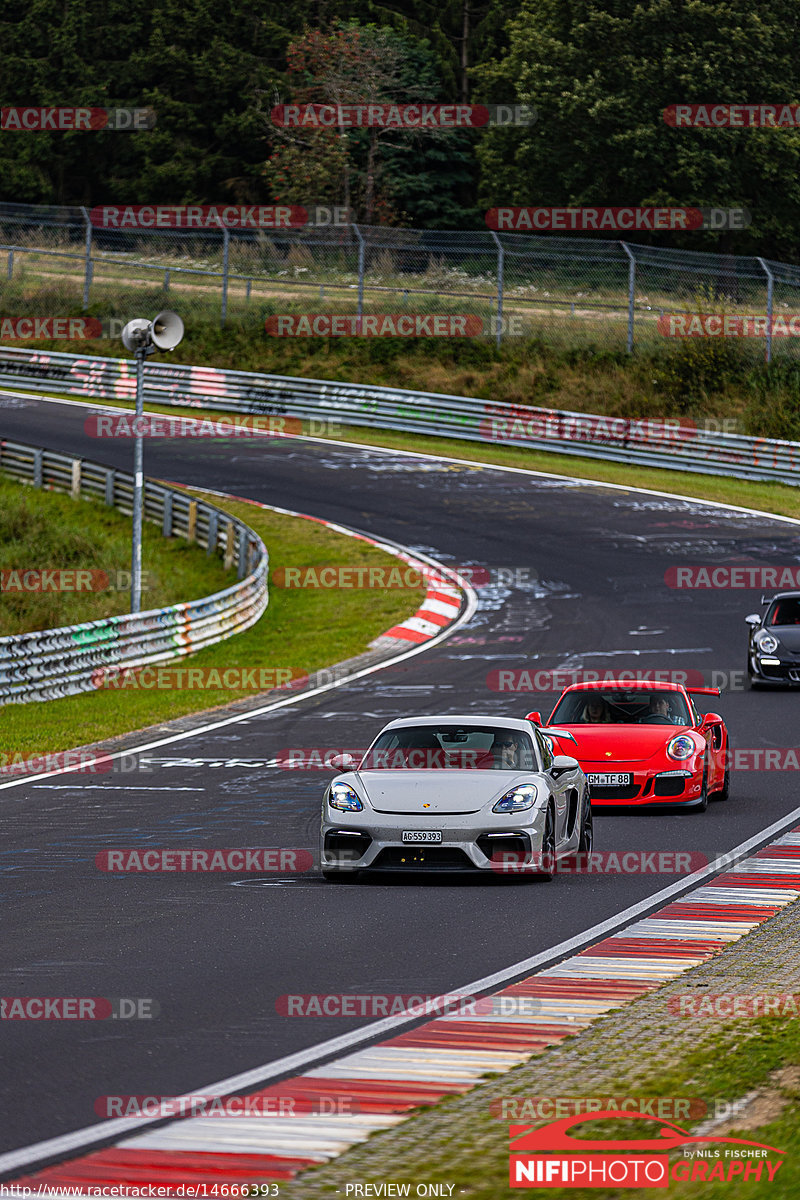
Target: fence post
[(87, 271), (770, 289), (361, 257), (211, 540), (11, 264), (631, 286), (226, 246), (241, 566), (500, 267)]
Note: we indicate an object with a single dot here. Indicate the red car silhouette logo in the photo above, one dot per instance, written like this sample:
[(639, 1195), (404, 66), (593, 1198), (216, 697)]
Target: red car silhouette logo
[(525, 1139)]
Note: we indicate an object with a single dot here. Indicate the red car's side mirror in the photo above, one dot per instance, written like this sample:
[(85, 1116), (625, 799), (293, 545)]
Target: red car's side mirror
[(710, 720), (536, 717)]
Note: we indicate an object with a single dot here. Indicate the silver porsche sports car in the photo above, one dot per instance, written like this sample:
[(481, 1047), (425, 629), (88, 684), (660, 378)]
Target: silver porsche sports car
[(455, 793)]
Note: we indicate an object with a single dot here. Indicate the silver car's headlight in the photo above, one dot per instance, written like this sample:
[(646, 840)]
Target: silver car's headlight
[(767, 643), (517, 800), (342, 796)]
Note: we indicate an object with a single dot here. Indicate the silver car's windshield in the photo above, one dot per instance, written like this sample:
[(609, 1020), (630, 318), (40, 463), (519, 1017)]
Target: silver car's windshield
[(616, 706), (461, 747)]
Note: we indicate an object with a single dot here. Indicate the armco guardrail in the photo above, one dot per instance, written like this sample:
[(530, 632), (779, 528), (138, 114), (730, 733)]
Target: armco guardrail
[(669, 444), (61, 662)]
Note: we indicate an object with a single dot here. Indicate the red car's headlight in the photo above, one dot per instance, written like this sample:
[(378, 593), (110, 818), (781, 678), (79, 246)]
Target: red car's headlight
[(681, 747)]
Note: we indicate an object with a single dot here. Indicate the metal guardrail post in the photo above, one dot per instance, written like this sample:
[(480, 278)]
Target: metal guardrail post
[(770, 291), (211, 540), (87, 272), (361, 259), (138, 486), (166, 522), (631, 286), (498, 329), (226, 249), (242, 556)]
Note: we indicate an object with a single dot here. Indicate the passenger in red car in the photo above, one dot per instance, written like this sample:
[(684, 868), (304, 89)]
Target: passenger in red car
[(596, 712)]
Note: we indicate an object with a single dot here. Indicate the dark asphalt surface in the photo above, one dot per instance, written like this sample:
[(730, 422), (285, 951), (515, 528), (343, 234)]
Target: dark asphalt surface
[(216, 951)]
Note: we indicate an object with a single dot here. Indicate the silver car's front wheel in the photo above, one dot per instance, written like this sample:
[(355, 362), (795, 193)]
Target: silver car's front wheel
[(587, 829), (548, 855)]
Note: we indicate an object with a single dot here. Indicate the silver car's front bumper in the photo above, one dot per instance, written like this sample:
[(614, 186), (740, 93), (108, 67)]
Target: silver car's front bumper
[(468, 840)]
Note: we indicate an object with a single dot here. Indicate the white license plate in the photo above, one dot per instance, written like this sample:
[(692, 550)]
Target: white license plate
[(422, 835), (604, 780)]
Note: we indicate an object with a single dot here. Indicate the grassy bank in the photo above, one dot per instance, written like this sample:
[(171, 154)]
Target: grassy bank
[(302, 630)]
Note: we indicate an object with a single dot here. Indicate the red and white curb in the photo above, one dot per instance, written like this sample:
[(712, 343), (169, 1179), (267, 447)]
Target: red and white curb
[(445, 592), (440, 608), (450, 1054)]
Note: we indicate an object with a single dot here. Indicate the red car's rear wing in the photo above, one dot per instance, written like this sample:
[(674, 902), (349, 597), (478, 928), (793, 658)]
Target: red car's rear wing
[(703, 691)]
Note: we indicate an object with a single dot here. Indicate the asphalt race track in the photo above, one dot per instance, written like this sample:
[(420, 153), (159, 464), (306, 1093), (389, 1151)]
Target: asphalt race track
[(216, 951)]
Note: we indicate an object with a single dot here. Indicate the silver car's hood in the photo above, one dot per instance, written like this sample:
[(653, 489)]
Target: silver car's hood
[(443, 791)]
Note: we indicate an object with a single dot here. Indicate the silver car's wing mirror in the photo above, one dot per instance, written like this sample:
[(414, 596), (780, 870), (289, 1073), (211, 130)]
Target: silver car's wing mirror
[(559, 733), (342, 762), (753, 620)]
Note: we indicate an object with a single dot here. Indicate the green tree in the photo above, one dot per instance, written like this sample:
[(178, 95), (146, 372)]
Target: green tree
[(601, 72), (385, 175)]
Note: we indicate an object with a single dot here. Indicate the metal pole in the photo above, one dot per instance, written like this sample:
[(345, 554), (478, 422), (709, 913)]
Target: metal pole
[(360, 312), (500, 266), (138, 487), (226, 246), (631, 286), (770, 283), (87, 272)]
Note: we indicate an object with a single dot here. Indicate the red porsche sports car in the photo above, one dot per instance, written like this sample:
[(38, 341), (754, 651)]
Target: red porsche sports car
[(644, 743)]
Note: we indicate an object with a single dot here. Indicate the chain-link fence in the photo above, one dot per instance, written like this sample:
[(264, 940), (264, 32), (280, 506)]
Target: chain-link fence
[(570, 291)]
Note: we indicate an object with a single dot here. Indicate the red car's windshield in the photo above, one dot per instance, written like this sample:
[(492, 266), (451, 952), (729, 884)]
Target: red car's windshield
[(472, 747), (616, 706)]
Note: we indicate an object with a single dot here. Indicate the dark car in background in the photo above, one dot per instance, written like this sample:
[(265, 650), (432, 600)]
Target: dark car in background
[(773, 654)]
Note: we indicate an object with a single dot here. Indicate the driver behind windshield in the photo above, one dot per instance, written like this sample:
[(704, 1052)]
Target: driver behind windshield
[(506, 750), (660, 711)]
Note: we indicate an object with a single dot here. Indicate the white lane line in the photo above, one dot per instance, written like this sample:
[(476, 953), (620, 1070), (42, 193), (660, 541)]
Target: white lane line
[(108, 787), (67, 1143)]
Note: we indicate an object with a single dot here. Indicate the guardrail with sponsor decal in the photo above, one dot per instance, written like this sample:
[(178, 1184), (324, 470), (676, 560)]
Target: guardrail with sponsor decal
[(53, 663), (676, 445)]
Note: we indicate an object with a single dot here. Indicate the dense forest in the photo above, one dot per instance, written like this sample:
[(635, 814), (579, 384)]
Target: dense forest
[(599, 74)]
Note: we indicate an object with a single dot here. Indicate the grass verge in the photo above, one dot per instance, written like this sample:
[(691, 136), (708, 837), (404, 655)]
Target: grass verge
[(303, 630)]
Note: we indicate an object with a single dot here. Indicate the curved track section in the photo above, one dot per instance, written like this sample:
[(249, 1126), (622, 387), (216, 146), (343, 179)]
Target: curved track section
[(576, 579)]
